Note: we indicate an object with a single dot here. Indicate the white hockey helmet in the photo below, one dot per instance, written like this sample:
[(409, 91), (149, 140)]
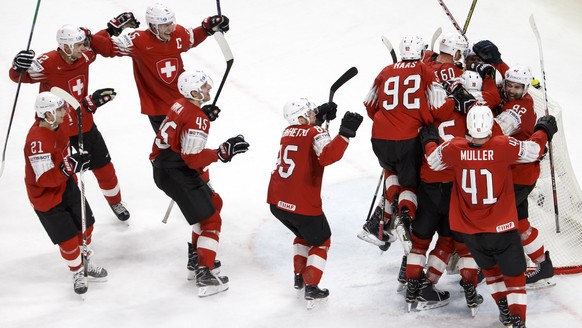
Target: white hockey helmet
[(472, 81), (193, 80), (479, 121), (157, 14), (295, 109), (519, 74), (453, 42), (411, 48), (69, 35), (47, 102)]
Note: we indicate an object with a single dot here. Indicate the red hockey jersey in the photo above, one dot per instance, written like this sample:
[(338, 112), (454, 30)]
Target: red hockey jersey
[(483, 199), (156, 64), (44, 152), (403, 98), (51, 70), (295, 184), (181, 140)]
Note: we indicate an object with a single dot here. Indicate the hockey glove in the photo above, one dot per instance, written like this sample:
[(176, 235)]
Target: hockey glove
[(77, 163), (215, 23), (326, 112), (116, 25), (98, 98), (211, 111), (484, 70), (487, 51), (231, 147), (88, 36), (428, 134), (23, 60), (350, 124), (463, 99), (548, 124)]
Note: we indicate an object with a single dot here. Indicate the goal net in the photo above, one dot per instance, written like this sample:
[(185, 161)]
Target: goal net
[(565, 246)]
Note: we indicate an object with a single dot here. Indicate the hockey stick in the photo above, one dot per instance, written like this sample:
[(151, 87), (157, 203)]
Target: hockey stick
[(435, 36), (532, 22), (375, 196), (351, 72), (469, 15), (18, 91), (390, 48), (453, 20), (227, 53), (75, 104)]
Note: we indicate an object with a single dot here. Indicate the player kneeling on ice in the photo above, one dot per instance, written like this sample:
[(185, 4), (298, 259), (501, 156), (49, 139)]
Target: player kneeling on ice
[(180, 160), (52, 189), (294, 191), (482, 206)]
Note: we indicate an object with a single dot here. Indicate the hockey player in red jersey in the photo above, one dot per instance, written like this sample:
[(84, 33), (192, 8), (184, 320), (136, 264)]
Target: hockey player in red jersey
[(156, 55), (447, 63), (294, 191), (51, 186), (517, 118), (67, 67), (482, 201), (180, 161)]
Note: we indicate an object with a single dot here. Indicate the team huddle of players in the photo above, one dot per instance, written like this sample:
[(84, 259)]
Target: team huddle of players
[(454, 129)]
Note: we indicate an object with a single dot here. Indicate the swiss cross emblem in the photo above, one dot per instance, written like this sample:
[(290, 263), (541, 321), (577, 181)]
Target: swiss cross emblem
[(167, 69), (77, 86)]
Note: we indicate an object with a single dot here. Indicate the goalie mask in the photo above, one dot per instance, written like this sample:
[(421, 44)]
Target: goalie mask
[(190, 81), (47, 102), (479, 121), (519, 74), (472, 81), (295, 109), (158, 14), (411, 48), (69, 35)]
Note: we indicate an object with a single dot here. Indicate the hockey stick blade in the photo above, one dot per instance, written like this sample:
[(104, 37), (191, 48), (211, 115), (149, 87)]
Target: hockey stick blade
[(227, 53), (343, 79), (435, 36), (66, 97), (390, 48)]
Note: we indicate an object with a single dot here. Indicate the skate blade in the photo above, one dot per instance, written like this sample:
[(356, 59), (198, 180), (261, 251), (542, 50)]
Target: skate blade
[(474, 310), (211, 290), (94, 279), (316, 303), (401, 287), (370, 238), (422, 306), (540, 284)]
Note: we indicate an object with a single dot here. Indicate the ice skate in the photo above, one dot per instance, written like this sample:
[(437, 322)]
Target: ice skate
[(370, 229), (402, 228), (95, 273), (504, 316), (539, 277), (80, 285), (517, 322), (193, 262), (402, 276), (412, 289), (120, 211), (472, 297), (429, 297), (298, 284), (315, 296), (208, 283)]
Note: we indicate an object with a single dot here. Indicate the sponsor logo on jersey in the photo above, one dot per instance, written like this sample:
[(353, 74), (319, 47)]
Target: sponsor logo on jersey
[(286, 206), (505, 227), (167, 69)]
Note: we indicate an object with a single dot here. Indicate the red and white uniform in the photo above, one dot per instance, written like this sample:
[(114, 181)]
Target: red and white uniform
[(403, 99), (156, 64), (51, 70), (295, 184), (482, 199), (45, 151), (185, 132), (442, 71)]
